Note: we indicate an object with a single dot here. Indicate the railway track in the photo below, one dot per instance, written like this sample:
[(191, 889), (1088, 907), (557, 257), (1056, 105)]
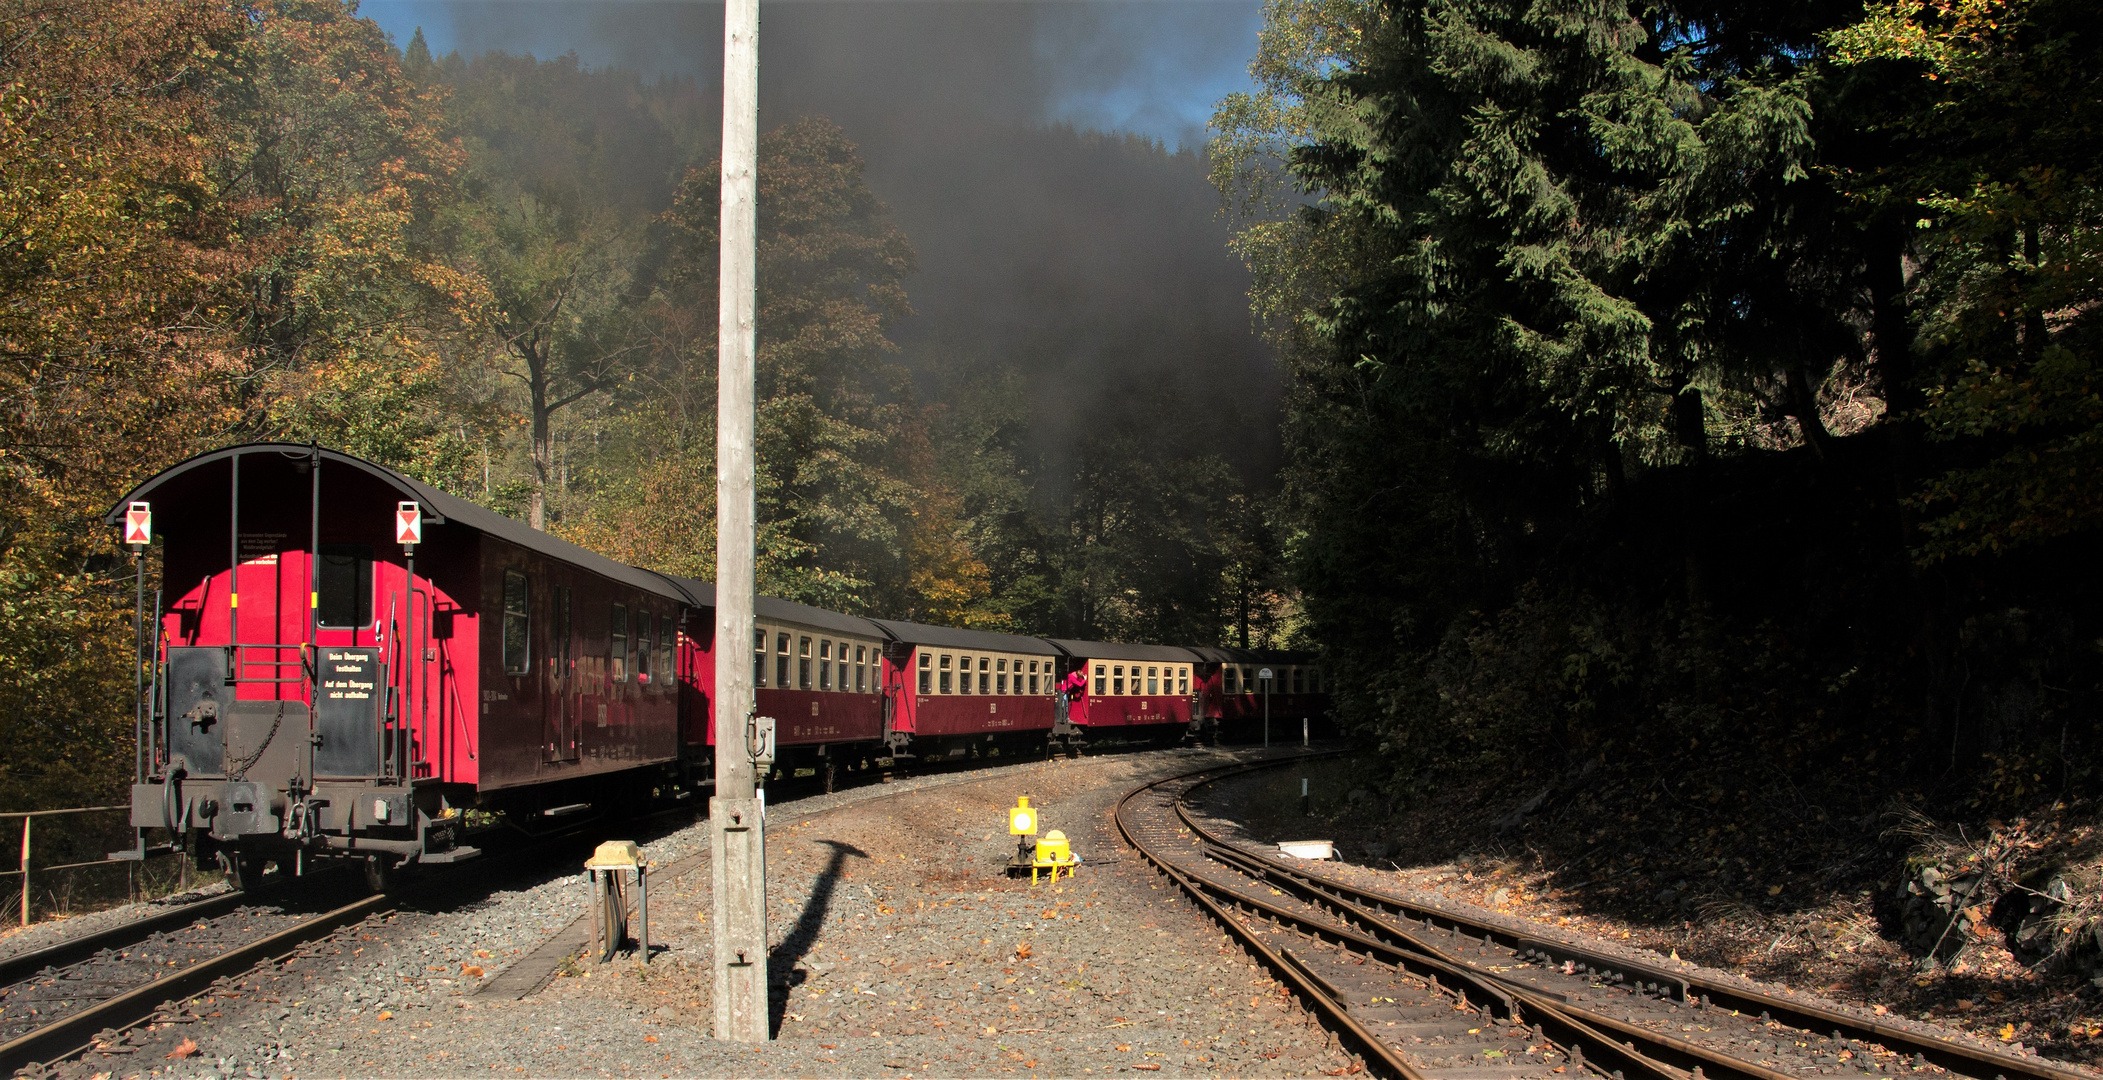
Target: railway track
[(84, 993), (1431, 995), (60, 1001), (87, 992)]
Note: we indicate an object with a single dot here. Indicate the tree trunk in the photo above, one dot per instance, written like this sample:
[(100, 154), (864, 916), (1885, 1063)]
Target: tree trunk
[(537, 391), (1803, 404), (2033, 315), (1690, 426)]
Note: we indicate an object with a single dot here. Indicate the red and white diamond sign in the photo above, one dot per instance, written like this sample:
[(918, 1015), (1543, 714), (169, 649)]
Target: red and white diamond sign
[(408, 523), (138, 523)]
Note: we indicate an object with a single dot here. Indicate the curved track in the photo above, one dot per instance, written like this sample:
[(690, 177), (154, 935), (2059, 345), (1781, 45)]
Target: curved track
[(1430, 994)]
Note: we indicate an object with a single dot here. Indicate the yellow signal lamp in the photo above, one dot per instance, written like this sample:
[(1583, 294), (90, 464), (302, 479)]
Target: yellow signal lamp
[(1022, 818)]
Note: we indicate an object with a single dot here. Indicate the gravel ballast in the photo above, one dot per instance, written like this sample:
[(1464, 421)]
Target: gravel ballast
[(900, 948)]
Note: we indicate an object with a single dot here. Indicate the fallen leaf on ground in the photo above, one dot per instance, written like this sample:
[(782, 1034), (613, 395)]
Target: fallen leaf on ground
[(183, 1049), (474, 970), (2007, 1032), (649, 1038), (1022, 951), (1147, 1066)]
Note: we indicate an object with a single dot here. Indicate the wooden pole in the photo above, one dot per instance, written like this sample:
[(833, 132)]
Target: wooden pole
[(739, 847)]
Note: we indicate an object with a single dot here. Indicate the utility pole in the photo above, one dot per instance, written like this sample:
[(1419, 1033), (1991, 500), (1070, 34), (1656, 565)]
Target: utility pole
[(737, 840)]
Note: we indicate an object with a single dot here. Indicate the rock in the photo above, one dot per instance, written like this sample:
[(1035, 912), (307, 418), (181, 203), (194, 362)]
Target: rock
[(1512, 820)]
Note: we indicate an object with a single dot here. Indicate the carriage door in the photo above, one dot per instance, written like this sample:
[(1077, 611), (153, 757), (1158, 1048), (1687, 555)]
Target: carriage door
[(558, 703)]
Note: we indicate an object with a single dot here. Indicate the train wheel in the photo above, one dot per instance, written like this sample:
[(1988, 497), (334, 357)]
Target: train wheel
[(379, 873)]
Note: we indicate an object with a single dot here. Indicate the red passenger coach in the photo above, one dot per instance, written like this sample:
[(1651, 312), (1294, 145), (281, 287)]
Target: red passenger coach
[(819, 674), (955, 692), (1133, 691), (321, 688), (1232, 690)]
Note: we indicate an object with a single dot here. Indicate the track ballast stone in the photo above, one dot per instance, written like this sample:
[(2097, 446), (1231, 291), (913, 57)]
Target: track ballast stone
[(901, 949)]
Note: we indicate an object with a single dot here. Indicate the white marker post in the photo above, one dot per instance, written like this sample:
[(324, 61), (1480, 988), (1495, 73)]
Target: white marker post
[(737, 841), (1264, 676)]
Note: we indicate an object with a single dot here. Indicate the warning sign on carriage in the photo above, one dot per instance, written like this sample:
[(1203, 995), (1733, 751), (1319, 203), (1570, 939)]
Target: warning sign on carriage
[(408, 523), (138, 524)]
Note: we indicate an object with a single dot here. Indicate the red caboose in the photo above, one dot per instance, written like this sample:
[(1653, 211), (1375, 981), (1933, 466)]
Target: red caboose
[(320, 687)]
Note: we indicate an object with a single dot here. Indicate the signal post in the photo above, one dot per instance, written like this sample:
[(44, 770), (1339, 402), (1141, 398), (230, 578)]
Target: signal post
[(737, 841)]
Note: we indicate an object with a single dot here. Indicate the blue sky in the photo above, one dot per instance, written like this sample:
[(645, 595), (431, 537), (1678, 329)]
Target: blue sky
[(1154, 67)]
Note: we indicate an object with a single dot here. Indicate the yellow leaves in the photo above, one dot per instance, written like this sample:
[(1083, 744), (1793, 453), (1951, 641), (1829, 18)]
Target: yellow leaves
[(2007, 1033)]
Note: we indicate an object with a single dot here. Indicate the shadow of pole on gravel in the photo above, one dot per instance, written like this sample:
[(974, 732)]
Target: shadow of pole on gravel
[(781, 963)]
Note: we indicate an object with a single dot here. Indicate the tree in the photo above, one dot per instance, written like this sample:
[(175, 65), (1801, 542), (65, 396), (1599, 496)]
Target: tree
[(1994, 161), (114, 250), (341, 175), (566, 169), (833, 493)]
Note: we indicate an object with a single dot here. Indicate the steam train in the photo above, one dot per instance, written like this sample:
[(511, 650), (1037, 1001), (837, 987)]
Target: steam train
[(346, 661)]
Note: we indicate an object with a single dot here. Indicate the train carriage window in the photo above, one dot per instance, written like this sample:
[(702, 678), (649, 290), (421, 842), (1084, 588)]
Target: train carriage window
[(1117, 679), (781, 661), (985, 679), (803, 663), (1153, 680), (1100, 682), (518, 623), (945, 674), (620, 643), (964, 665), (1183, 681), (667, 642), (642, 648), (1000, 682), (861, 660), (824, 664), (346, 586), (1033, 681), (759, 657), (1292, 680), (927, 675)]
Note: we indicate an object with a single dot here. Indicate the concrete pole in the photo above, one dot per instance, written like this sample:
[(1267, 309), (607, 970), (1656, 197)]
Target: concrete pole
[(739, 847)]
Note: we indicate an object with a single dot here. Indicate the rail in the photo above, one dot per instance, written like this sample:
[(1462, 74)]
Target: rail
[(1504, 973)]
